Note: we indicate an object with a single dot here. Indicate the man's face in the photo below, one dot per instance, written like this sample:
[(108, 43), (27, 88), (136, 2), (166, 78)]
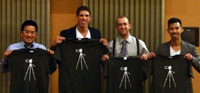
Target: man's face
[(29, 34), (175, 30), (123, 26), (83, 18)]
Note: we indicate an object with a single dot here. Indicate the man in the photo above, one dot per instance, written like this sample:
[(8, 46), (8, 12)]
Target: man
[(28, 62), (124, 46), (178, 47), (115, 47), (28, 33), (81, 30)]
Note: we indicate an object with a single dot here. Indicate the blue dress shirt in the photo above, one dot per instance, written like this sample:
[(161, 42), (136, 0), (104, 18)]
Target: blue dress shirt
[(21, 44), (17, 46)]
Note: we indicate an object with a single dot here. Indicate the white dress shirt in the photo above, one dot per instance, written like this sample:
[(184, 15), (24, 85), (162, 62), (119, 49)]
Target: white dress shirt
[(79, 35), (131, 46), (173, 53)]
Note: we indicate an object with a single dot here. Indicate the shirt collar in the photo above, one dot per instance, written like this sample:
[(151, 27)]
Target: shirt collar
[(24, 43), (79, 35), (128, 39)]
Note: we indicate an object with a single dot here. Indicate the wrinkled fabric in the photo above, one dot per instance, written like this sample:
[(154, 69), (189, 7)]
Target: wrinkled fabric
[(115, 71), (75, 78), (44, 65), (180, 77)]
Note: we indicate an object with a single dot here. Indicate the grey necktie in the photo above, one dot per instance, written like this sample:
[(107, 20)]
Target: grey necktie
[(123, 52)]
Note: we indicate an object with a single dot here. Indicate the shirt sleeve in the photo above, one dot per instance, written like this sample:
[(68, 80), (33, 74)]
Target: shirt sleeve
[(52, 65), (110, 48), (42, 47), (4, 65), (11, 47), (106, 69), (147, 69), (143, 48), (195, 60), (56, 54)]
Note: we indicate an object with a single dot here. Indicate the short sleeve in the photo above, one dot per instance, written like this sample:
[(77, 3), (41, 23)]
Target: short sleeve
[(56, 54)]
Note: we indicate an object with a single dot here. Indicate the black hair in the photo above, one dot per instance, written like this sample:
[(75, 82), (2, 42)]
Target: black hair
[(174, 20), (82, 8), (29, 23)]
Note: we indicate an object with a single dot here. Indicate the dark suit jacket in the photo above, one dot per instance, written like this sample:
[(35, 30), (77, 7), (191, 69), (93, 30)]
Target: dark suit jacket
[(71, 33), (164, 49)]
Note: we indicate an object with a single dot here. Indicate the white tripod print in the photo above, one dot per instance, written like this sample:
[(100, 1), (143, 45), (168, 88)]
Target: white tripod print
[(81, 59), (125, 77), (169, 76), (30, 69)]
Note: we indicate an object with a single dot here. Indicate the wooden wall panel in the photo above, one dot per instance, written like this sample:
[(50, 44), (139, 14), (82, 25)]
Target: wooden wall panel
[(146, 18)]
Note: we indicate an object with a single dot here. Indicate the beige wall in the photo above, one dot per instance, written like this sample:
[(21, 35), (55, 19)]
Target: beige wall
[(63, 16), (188, 12)]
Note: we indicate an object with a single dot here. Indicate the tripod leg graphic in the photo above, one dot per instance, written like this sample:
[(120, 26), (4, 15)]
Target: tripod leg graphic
[(85, 63), (125, 80), (81, 62), (33, 74), (78, 62), (26, 73), (174, 81), (121, 81), (30, 74), (166, 79), (170, 80), (129, 81)]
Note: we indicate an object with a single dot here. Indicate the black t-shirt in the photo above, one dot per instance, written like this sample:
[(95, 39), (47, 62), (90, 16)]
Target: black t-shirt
[(77, 77), (27, 79), (115, 70), (170, 75)]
